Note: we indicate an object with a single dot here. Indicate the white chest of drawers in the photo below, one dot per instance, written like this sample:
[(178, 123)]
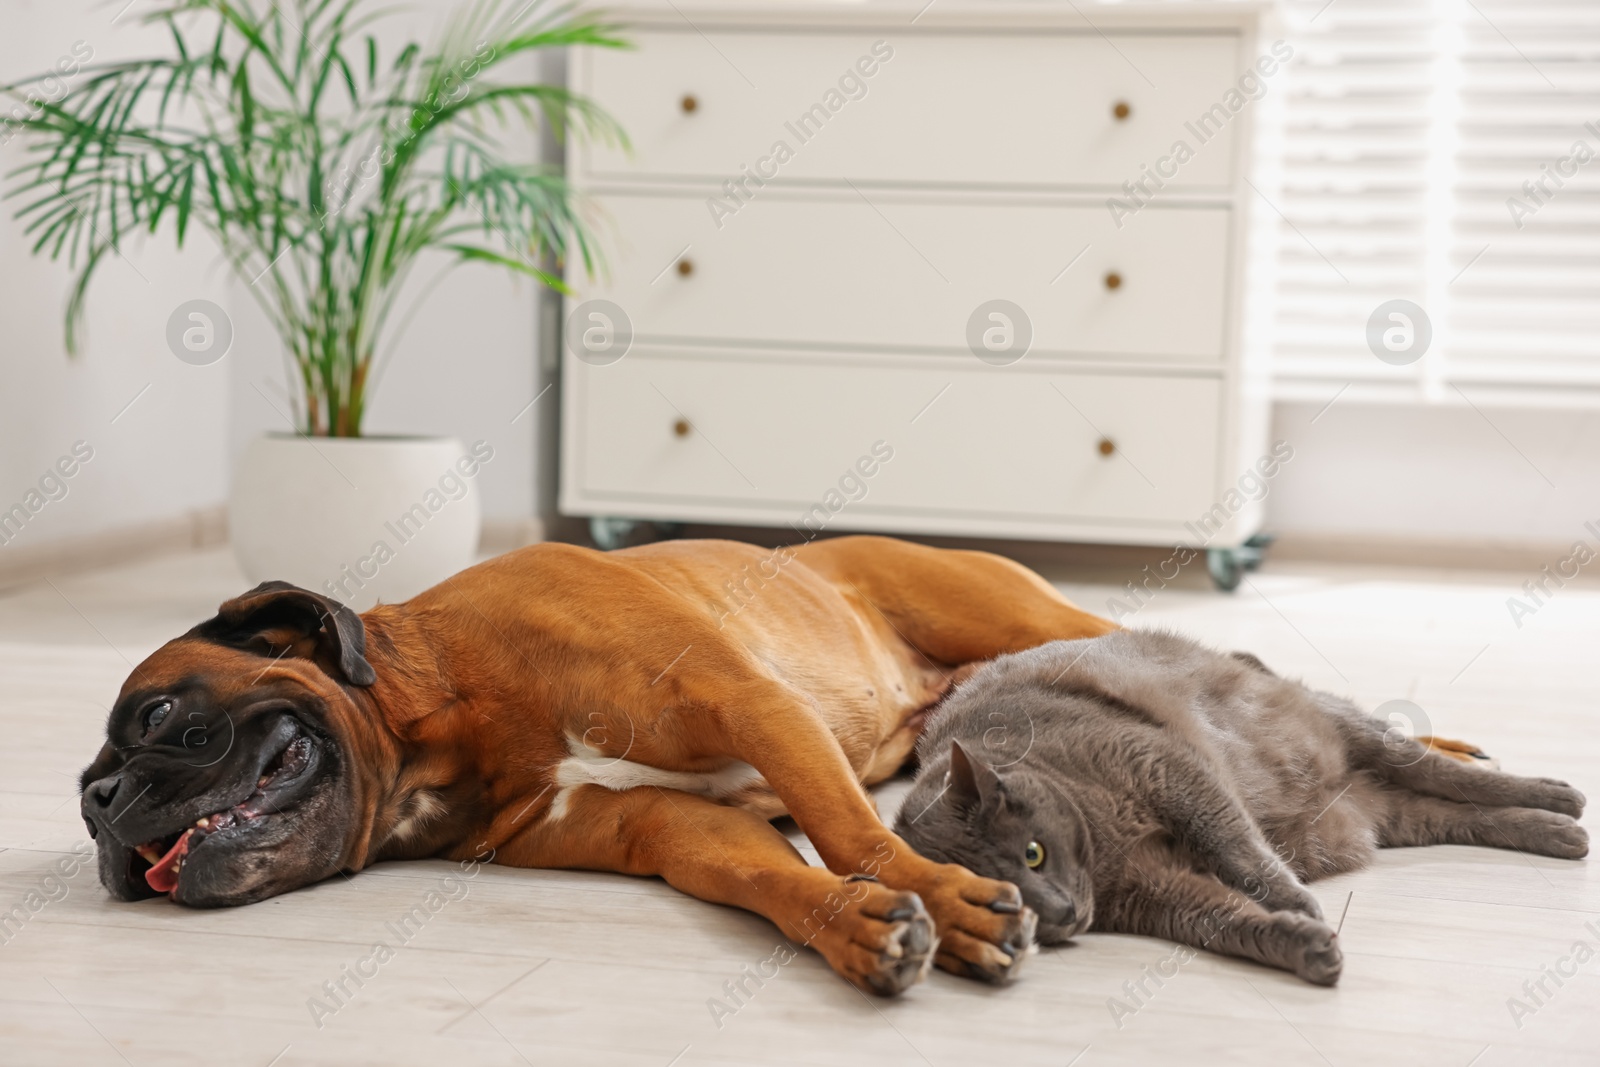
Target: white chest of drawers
[(819, 208)]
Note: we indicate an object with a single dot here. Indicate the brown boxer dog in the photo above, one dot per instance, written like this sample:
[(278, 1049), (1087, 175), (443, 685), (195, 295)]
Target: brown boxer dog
[(644, 711)]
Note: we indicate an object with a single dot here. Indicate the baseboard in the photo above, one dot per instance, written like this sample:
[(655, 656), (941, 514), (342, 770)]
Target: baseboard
[(199, 528), (1121, 561), (208, 528), (1298, 547), (1481, 555)]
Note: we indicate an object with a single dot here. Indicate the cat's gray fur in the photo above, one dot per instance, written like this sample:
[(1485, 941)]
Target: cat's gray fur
[(1188, 794)]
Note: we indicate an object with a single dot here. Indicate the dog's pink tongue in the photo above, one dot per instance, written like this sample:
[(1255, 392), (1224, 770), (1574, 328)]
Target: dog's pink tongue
[(163, 877)]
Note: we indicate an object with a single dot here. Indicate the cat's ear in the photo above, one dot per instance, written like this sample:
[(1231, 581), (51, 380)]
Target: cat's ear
[(971, 782)]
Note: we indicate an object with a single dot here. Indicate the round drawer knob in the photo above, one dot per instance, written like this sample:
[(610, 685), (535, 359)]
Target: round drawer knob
[(689, 104), (1106, 446), (1120, 110), (1113, 280), (681, 428), (685, 268)]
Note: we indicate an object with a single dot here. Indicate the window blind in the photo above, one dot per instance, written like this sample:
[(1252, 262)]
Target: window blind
[(1445, 152)]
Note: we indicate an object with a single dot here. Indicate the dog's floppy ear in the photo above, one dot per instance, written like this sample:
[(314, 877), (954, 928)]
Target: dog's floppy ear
[(281, 618), (972, 784)]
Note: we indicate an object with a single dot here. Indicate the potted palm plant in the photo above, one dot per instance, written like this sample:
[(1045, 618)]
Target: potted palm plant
[(322, 167)]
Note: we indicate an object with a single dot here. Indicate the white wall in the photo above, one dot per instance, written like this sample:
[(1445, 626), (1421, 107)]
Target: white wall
[(161, 456), (1437, 474)]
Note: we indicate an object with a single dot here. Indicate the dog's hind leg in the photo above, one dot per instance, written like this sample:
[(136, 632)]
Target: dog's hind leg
[(952, 606), (1460, 751), (1414, 819), (879, 938)]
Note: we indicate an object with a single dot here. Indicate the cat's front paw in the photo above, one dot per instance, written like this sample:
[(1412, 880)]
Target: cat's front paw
[(1290, 895), (1318, 957)]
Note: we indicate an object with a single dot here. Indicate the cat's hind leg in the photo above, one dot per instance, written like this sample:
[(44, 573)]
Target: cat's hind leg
[(1439, 776), (1412, 765), (1172, 901), (1414, 819)]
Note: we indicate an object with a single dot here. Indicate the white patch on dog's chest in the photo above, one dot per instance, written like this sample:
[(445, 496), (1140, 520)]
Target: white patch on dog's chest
[(589, 766), (421, 809)]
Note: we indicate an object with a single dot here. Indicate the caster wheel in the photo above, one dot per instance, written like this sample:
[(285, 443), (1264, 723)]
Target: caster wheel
[(1226, 568), (667, 531), (609, 532), (1255, 550)]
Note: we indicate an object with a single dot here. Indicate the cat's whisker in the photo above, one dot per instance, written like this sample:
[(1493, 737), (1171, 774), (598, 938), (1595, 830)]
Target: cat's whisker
[(1343, 913)]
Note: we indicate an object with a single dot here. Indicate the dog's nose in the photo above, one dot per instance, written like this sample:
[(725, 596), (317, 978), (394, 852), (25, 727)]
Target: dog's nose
[(98, 795)]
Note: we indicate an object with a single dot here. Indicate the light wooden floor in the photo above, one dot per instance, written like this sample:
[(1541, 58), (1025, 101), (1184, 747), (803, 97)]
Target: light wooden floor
[(567, 968)]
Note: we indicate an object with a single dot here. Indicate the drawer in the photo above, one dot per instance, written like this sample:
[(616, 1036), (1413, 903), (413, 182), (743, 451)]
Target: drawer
[(904, 275), (989, 442), (987, 109)]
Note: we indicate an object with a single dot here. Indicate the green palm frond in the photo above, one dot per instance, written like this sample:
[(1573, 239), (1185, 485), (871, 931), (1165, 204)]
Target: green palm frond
[(321, 167)]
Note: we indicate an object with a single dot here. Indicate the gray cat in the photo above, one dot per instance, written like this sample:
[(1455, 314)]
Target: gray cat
[(1141, 783)]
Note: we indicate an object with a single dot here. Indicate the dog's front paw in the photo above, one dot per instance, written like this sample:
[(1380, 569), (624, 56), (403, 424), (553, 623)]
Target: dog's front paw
[(883, 942), (985, 931)]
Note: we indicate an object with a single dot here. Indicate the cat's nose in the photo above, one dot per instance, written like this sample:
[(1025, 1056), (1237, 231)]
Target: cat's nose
[(1067, 915)]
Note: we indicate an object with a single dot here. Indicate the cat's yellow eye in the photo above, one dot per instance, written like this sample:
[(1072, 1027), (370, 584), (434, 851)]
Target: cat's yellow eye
[(1034, 855)]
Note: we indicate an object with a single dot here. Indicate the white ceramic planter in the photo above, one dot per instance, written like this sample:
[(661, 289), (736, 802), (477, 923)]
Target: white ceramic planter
[(358, 519)]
